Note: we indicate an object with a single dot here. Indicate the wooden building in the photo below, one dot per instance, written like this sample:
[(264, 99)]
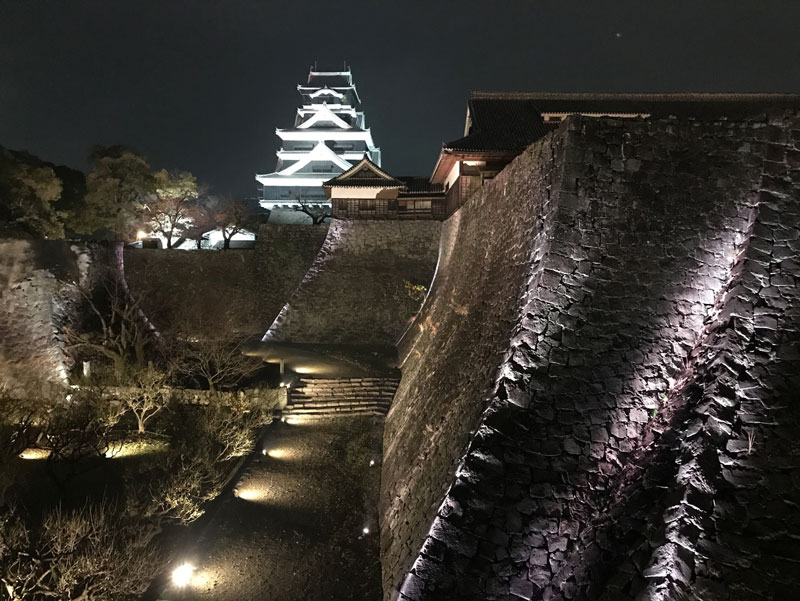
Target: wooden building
[(366, 191)]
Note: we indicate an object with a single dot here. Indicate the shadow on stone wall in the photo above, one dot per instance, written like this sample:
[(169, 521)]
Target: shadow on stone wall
[(206, 292)]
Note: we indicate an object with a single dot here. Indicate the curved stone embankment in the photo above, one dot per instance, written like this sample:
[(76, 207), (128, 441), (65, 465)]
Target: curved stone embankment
[(599, 393), (37, 289), (359, 289)]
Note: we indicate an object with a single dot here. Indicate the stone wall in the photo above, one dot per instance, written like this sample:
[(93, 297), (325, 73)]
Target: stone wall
[(37, 294), (239, 290), (599, 398), (357, 291)]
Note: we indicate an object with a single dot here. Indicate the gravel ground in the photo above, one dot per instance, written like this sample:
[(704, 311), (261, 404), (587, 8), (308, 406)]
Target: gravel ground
[(294, 530)]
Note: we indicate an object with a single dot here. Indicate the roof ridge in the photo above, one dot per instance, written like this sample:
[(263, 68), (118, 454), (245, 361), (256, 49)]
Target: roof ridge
[(364, 162), (696, 96)]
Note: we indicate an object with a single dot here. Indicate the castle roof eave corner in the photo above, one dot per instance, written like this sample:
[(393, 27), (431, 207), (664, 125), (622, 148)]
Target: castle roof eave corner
[(443, 162)]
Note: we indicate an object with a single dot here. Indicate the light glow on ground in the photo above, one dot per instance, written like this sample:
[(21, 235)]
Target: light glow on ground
[(250, 494), (134, 448), (35, 454), (296, 421), (182, 575)]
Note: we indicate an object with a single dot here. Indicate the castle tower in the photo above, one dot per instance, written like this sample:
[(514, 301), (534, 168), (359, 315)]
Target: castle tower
[(328, 137)]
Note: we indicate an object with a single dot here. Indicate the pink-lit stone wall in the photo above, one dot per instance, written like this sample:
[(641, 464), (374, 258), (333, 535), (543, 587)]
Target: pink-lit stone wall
[(601, 405)]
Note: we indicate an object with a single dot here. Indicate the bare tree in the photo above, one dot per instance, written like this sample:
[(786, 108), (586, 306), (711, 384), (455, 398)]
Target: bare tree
[(77, 431), (20, 416), (317, 213), (119, 333), (146, 394), (177, 487), (217, 362), (231, 426), (97, 552)]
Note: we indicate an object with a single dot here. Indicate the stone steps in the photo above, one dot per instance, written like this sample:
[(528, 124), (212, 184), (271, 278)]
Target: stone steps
[(338, 403), (326, 397)]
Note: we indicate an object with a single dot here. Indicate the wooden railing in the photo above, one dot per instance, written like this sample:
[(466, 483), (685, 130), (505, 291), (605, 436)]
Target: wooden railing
[(403, 208)]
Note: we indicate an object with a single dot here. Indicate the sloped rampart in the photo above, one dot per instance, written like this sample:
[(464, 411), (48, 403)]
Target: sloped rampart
[(600, 404), (364, 285)]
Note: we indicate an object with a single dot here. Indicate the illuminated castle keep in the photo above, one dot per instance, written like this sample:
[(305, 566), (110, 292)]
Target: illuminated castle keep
[(328, 137)]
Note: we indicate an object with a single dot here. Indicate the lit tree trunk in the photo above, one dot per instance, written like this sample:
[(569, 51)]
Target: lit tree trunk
[(119, 256), (119, 367), (140, 420)]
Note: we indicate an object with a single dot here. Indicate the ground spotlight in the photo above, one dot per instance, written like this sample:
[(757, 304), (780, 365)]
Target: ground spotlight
[(182, 575)]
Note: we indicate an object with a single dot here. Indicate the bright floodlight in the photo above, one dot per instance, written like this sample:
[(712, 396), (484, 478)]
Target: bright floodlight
[(365, 530), (371, 462), (182, 575)]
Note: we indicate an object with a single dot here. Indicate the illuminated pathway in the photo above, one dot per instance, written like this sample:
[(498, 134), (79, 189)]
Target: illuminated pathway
[(296, 529)]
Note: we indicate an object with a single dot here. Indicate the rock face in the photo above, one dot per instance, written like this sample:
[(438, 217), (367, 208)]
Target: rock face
[(599, 395), (359, 289), (37, 294)]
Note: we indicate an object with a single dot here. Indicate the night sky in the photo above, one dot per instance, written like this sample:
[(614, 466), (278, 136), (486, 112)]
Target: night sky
[(201, 85)]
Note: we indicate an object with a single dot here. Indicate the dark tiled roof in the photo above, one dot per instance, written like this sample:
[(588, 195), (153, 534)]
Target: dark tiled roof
[(706, 105), (364, 182), (416, 185), (510, 121), (501, 125)]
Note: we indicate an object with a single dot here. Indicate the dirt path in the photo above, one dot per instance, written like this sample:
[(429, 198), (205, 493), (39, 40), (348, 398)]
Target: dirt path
[(295, 529)]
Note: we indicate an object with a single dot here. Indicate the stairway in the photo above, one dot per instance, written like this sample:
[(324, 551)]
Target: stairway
[(316, 398)]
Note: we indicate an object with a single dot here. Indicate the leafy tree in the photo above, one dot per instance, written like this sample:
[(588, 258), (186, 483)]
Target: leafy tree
[(27, 197), (118, 188), (230, 217), (218, 213), (170, 209), (202, 219)]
